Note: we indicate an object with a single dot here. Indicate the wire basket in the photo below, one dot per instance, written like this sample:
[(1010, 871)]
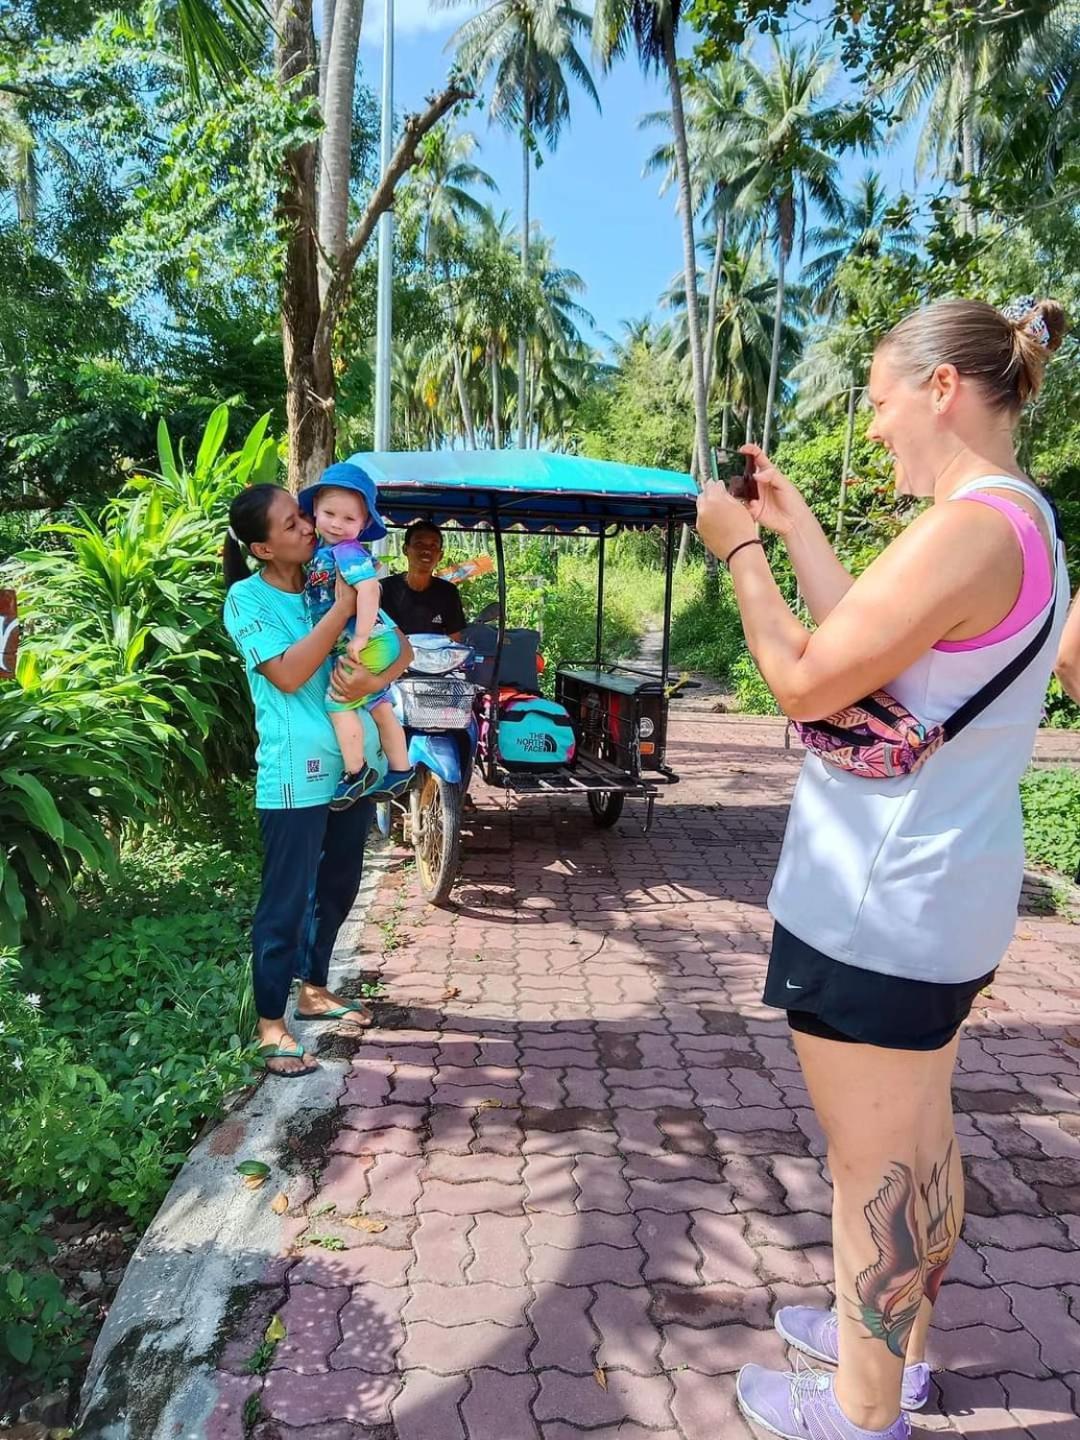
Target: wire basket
[(436, 702)]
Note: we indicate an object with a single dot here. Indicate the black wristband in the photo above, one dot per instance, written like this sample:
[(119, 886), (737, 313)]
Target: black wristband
[(745, 543)]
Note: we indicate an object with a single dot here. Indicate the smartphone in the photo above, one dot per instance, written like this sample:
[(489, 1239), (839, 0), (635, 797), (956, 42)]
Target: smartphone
[(737, 473)]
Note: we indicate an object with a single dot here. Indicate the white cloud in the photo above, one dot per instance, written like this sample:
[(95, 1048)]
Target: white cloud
[(412, 17)]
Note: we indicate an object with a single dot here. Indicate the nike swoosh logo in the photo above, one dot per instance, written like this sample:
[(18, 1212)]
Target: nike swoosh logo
[(790, 986)]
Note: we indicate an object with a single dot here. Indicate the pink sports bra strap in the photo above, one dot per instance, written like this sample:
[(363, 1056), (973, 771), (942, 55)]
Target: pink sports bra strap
[(1036, 587)]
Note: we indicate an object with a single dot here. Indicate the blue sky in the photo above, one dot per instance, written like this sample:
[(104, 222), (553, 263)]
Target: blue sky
[(609, 223)]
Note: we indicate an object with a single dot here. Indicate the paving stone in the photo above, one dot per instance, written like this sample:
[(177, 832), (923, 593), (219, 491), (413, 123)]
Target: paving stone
[(670, 1254), (585, 1265), (472, 1198), (499, 1407), (371, 1330), (592, 1227), (566, 1338), (983, 1350), (318, 1399), (581, 1400), (628, 1338), (458, 1348), (312, 1332), (722, 1349), (452, 1305), (1045, 1315), (427, 1406), (706, 1408)]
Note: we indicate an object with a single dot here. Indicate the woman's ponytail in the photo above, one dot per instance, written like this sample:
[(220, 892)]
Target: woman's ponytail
[(249, 524)]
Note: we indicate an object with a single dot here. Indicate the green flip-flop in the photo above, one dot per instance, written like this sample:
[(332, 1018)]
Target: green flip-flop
[(340, 1012), (276, 1052)]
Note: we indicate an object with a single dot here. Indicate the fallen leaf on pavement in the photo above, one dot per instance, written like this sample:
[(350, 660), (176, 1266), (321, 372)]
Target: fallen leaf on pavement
[(280, 1203), (254, 1182), (362, 1222), (600, 1376), (452, 993), (490, 1105), (275, 1331)]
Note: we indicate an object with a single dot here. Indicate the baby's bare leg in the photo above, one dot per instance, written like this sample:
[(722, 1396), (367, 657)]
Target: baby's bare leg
[(392, 736), (350, 737)]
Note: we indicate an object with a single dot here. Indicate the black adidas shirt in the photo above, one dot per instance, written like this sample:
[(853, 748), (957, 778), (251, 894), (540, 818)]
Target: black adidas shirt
[(434, 611)]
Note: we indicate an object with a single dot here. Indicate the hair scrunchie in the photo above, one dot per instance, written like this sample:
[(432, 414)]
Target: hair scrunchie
[(1025, 315)]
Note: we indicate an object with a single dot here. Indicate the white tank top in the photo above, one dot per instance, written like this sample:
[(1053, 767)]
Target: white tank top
[(920, 876)]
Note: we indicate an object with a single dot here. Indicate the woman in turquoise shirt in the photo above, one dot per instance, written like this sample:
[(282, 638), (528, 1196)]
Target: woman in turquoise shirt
[(313, 857)]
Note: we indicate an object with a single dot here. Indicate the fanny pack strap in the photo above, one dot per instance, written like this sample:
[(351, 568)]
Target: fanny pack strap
[(973, 708)]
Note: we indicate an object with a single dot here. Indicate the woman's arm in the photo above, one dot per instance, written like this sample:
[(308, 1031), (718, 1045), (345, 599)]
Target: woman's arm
[(351, 682), (929, 582), (295, 667), (1067, 668)]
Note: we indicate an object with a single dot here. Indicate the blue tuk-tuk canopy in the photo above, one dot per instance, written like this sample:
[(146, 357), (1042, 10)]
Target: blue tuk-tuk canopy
[(527, 489)]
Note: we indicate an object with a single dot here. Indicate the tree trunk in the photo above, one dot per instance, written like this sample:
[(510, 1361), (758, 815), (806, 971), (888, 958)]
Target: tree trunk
[(496, 399), (750, 425), (328, 9), (336, 149), (309, 377), (686, 212), (778, 321), (725, 414), (526, 160), (463, 398), (969, 224), (714, 295), (845, 471)]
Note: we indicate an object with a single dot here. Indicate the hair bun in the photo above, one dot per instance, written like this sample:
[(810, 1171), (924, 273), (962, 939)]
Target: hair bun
[(1044, 321)]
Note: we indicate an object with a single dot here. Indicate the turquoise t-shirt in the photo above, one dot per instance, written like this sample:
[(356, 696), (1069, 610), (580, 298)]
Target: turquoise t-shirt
[(298, 759)]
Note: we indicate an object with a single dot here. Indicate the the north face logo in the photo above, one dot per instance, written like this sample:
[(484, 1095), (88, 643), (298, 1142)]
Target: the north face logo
[(539, 744)]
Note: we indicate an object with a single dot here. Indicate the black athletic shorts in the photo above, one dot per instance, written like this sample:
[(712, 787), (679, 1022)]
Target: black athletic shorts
[(841, 1002)]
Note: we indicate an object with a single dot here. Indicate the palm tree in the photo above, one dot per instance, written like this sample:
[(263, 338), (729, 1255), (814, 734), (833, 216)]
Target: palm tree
[(528, 48), (865, 229), (787, 136), (712, 97), (974, 93), (439, 187), (650, 27)]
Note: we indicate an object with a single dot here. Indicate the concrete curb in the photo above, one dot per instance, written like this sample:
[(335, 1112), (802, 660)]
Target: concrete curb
[(151, 1373)]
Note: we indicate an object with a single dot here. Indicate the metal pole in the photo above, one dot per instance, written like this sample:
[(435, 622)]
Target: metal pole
[(384, 318), (600, 603), (669, 570), (493, 692)]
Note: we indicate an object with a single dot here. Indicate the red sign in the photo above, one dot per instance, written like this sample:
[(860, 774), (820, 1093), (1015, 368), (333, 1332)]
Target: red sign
[(9, 633)]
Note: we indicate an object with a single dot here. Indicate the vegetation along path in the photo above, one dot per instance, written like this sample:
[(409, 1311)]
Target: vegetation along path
[(567, 1192)]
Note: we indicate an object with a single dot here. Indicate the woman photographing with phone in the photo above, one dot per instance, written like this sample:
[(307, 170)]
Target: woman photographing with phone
[(896, 891)]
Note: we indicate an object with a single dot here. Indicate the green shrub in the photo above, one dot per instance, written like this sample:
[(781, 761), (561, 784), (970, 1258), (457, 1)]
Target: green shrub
[(139, 1029), (1051, 803), (706, 634), (128, 697), (753, 695)]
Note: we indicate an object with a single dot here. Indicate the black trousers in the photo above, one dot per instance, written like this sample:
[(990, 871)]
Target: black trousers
[(312, 863)]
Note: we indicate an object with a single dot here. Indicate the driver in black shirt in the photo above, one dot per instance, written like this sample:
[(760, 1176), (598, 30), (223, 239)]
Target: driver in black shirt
[(418, 602)]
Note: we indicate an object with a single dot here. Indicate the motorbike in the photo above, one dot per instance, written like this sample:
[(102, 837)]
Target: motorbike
[(434, 702)]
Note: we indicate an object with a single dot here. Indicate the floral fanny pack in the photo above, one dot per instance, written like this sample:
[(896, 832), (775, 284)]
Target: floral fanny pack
[(879, 738)]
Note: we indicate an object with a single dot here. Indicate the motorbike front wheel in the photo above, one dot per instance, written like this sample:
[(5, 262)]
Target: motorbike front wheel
[(435, 815)]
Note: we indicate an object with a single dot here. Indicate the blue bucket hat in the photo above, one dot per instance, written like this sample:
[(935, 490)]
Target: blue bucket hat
[(346, 476)]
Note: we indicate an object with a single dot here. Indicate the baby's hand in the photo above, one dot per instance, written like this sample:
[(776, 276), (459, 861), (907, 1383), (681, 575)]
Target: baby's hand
[(355, 645)]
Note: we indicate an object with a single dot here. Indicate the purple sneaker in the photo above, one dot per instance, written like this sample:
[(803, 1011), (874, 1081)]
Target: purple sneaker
[(802, 1406), (816, 1333)]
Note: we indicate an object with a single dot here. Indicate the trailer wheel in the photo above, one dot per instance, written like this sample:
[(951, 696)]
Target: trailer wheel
[(606, 807)]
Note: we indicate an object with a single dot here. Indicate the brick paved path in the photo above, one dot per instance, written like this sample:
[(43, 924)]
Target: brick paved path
[(596, 1164)]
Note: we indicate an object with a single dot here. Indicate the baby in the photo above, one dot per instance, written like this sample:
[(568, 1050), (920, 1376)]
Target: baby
[(343, 506)]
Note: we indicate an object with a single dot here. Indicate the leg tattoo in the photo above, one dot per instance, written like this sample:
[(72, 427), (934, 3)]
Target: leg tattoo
[(942, 1225), (890, 1291)]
